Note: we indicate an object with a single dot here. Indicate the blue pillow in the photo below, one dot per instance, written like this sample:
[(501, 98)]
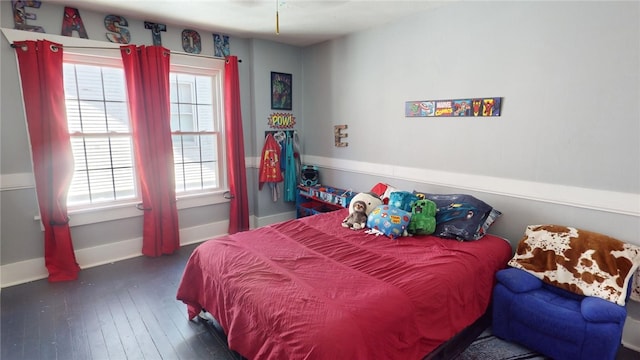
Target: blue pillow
[(402, 200), (461, 216), (389, 220)]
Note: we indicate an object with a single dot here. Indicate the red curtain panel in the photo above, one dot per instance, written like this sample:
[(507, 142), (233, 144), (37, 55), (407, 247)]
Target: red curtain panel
[(237, 173), (40, 64), (146, 71)]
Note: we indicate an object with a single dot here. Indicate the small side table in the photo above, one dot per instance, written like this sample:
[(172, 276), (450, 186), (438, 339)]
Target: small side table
[(631, 332)]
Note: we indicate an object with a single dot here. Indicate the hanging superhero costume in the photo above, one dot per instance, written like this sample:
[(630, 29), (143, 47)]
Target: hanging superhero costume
[(291, 174), (270, 165)]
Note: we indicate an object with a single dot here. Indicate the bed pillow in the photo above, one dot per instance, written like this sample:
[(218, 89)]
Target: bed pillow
[(389, 220), (402, 200), (579, 261), (461, 216)]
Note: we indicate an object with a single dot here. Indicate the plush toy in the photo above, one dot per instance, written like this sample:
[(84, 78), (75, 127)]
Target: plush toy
[(359, 209), (402, 200), (423, 217), (358, 218), (388, 220)]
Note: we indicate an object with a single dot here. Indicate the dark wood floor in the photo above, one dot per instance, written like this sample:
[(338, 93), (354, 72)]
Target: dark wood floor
[(125, 310)]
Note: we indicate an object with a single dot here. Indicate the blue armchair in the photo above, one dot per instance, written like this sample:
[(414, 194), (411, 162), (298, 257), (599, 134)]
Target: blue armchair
[(553, 321)]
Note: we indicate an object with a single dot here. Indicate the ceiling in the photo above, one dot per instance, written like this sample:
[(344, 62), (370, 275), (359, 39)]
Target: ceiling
[(302, 22)]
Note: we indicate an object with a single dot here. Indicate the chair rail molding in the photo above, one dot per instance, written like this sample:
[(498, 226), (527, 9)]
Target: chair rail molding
[(16, 181), (593, 199)]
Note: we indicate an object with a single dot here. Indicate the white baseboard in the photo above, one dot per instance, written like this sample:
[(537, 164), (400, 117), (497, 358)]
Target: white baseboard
[(22, 272), (272, 219), (34, 269)]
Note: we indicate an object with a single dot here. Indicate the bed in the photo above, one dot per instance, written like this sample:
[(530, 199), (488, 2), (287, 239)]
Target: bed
[(311, 289)]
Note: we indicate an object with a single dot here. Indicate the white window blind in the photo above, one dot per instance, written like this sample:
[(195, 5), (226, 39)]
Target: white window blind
[(195, 127), (98, 121), (101, 139)]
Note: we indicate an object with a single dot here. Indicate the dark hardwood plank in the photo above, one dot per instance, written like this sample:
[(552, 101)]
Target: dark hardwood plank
[(109, 330), (93, 331), (143, 339), (12, 340), (126, 310), (47, 332), (124, 330), (61, 328), (77, 325), (31, 335), (160, 339)]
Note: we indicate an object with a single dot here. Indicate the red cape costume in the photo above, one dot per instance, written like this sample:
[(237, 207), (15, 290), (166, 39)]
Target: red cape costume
[(270, 162)]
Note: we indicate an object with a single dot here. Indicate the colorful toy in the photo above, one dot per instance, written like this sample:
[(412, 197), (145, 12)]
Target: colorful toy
[(309, 175), (358, 218), (389, 220), (423, 217), (402, 200), (360, 207)]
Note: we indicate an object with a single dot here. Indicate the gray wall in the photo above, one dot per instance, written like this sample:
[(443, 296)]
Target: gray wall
[(21, 236), (569, 75), (568, 72), (268, 57)]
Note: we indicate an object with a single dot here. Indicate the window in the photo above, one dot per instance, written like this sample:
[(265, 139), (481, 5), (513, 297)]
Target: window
[(100, 129), (195, 127), (101, 141)]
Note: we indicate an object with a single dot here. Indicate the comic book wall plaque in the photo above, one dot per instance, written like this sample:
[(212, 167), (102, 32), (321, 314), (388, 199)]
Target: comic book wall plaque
[(454, 107)]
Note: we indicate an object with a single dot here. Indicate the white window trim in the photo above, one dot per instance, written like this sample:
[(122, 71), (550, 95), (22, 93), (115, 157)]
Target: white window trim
[(97, 214), (129, 210), (94, 215), (194, 65)]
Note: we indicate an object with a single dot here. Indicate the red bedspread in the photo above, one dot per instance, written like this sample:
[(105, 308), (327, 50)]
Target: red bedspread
[(311, 289)]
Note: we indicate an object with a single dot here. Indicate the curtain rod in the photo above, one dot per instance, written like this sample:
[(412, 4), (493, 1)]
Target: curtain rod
[(117, 48)]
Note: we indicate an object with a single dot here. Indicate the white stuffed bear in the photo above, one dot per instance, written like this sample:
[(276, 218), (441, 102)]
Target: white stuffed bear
[(359, 209)]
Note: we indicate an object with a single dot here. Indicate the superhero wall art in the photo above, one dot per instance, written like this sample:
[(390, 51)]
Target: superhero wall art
[(454, 107)]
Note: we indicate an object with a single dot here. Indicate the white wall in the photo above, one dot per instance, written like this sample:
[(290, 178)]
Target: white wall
[(566, 148)]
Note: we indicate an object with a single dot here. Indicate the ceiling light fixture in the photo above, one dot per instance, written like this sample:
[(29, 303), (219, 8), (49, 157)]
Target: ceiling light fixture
[(277, 17)]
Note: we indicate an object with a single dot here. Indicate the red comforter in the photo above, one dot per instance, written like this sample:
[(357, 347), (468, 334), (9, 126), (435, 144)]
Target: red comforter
[(311, 289)]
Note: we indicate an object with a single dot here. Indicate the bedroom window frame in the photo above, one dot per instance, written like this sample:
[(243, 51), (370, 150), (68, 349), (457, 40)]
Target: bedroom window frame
[(126, 208), (85, 136), (198, 74)]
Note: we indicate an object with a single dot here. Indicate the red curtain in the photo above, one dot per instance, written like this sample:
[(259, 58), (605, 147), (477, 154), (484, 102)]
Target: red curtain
[(41, 75), (237, 173), (146, 71)]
